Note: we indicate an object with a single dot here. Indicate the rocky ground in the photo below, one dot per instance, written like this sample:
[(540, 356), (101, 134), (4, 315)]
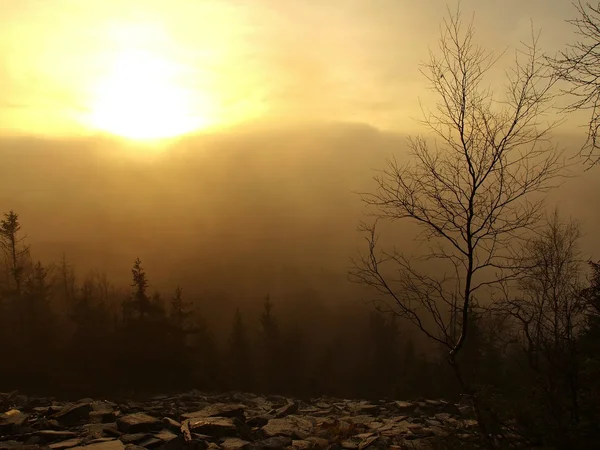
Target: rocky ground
[(195, 421)]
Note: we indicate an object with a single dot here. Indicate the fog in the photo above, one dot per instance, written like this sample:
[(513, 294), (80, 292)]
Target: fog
[(197, 228), (241, 212), (230, 217)]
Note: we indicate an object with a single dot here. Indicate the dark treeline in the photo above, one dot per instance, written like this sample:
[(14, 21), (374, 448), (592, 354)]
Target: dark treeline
[(535, 361), (83, 335)]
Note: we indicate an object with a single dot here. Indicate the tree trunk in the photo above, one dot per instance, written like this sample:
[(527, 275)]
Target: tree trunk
[(483, 420)]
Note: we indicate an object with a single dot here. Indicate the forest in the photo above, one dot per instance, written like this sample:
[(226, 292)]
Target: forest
[(535, 359)]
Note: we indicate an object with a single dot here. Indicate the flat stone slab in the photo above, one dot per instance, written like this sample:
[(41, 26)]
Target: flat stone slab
[(138, 422), (227, 421), (291, 426), (234, 444), (73, 414), (214, 426), (69, 443), (108, 445), (218, 410)]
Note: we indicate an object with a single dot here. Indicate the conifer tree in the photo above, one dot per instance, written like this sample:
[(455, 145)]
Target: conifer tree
[(270, 345), (241, 370)]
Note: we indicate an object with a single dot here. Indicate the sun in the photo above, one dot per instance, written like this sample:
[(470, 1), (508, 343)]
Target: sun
[(140, 98)]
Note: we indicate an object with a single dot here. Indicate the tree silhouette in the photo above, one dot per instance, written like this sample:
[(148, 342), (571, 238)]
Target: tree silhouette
[(270, 347), (240, 357), (293, 361), (13, 248), (205, 355), (139, 306), (579, 66), (588, 359), (39, 339), (474, 195), (181, 327), (380, 364), (144, 333), (92, 342), (67, 280), (181, 311)]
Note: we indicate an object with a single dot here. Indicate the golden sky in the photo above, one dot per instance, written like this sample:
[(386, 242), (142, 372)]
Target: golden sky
[(171, 66)]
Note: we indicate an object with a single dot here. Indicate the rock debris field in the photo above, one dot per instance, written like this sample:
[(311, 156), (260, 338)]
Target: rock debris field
[(196, 421)]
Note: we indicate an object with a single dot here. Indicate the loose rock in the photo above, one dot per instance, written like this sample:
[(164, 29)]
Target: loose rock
[(71, 415), (138, 422), (214, 426), (196, 421)]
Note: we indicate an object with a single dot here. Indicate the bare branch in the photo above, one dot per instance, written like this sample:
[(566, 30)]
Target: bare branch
[(579, 66), (475, 194)]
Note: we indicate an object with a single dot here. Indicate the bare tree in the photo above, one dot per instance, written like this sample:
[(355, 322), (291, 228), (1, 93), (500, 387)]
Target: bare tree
[(548, 315), (579, 66), (473, 194)]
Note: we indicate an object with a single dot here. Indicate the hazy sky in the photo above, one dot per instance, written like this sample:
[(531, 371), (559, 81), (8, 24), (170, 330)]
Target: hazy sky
[(174, 65), (134, 67)]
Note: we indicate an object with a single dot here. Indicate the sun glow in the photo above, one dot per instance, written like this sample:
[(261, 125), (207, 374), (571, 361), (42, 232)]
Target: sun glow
[(140, 98)]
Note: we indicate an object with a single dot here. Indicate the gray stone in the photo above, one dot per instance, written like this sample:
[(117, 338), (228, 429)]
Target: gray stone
[(291, 426), (234, 444), (47, 436), (22, 446), (302, 444), (214, 426), (218, 410), (101, 430), (9, 445), (134, 447), (179, 443), (107, 445), (66, 444), (134, 438), (34, 440), (53, 424), (138, 422), (290, 408), (450, 408), (364, 436), (171, 424), (374, 425), (229, 422), (102, 416), (404, 407), (98, 405), (318, 442), (273, 443), (73, 414), (99, 440), (366, 442), (12, 420), (151, 443), (364, 408), (165, 435), (259, 421)]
